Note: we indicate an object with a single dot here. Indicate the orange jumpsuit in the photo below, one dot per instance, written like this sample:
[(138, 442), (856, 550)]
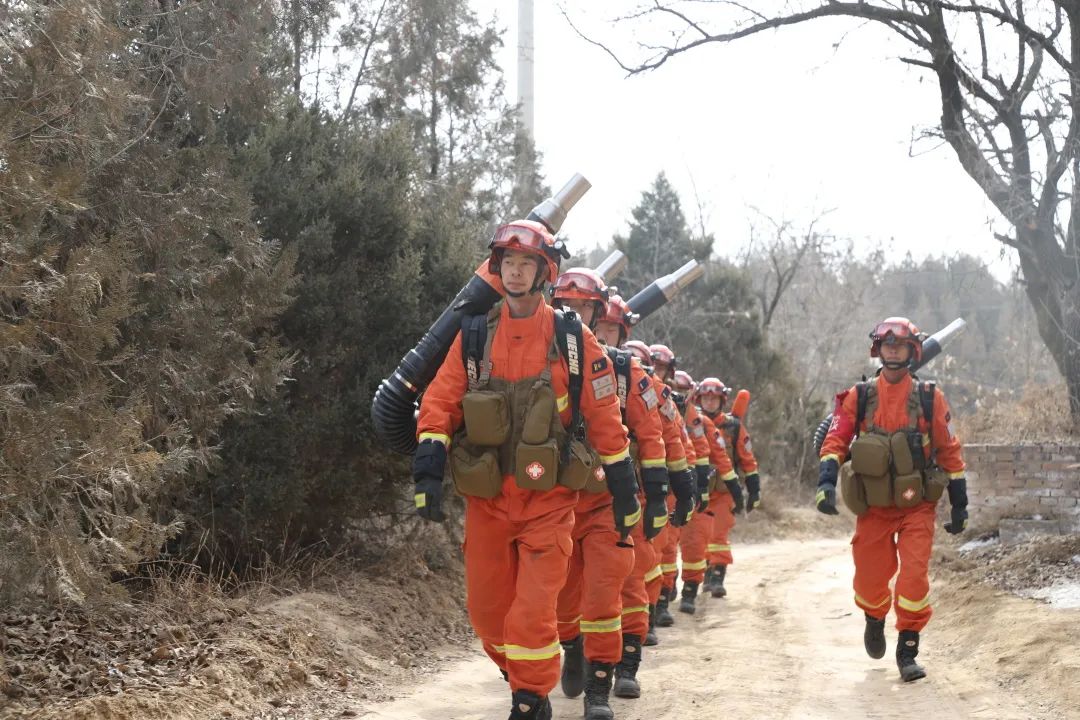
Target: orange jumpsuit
[(600, 600), (887, 538), (671, 544), (723, 522), (677, 460), (695, 540), (518, 544)]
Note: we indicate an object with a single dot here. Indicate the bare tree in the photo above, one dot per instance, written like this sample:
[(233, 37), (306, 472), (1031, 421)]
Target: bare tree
[(1008, 76), (784, 251)]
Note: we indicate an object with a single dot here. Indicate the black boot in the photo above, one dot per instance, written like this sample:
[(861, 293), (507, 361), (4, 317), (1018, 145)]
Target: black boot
[(530, 706), (719, 573), (689, 595), (626, 684), (597, 690), (907, 649), (707, 583), (573, 667), (650, 635), (873, 637), (663, 615)]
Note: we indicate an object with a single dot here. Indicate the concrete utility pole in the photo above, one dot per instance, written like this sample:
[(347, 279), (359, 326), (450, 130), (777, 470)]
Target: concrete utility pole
[(526, 51)]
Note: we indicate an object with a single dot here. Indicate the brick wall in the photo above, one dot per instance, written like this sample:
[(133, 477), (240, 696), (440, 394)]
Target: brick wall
[(1023, 481)]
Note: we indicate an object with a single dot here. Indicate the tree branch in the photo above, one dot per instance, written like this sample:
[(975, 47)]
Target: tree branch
[(364, 59)]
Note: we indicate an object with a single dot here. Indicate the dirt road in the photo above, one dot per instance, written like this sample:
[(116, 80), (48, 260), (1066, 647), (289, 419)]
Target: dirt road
[(786, 644)]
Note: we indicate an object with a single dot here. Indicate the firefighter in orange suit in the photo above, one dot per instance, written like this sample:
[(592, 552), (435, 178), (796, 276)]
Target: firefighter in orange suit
[(642, 586), (660, 581), (903, 457), (695, 539), (507, 403), (592, 619), (732, 432)]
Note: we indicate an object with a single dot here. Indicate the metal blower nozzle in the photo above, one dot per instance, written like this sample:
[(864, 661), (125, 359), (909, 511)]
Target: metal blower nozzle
[(613, 264), (552, 212), (681, 278)]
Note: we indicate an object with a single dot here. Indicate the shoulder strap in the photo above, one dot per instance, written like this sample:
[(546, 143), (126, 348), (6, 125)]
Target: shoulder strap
[(473, 341), (862, 396), (736, 427), (571, 342), (620, 361), (477, 333), (926, 399)]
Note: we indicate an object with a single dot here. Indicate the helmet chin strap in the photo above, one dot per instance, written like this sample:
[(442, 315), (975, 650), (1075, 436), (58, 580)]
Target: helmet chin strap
[(895, 365)]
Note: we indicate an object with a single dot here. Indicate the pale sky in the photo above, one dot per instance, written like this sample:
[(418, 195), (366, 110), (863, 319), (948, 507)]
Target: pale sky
[(782, 122)]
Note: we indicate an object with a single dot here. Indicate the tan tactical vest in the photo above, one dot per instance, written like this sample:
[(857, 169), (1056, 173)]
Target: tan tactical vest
[(890, 469), (514, 428)]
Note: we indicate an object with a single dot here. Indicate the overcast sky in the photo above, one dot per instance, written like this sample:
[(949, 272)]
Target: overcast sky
[(784, 122)]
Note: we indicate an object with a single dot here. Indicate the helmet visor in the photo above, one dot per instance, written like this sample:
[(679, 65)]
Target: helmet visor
[(579, 285), (711, 389), (900, 331), (520, 237)]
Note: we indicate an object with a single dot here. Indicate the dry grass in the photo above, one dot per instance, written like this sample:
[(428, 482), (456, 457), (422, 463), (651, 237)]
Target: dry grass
[(1041, 414)]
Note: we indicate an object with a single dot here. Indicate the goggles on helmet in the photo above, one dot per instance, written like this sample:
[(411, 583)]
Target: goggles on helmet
[(580, 284), (712, 386)]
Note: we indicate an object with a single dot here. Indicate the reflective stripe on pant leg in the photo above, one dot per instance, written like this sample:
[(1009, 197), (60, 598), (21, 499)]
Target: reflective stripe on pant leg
[(719, 550), (607, 565), (635, 594), (569, 603), (914, 544), (490, 567), (695, 538), (531, 628), (874, 552)]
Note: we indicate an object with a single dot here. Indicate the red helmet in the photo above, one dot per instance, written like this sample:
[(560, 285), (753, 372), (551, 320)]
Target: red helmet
[(713, 386), (531, 237), (639, 350), (663, 354), (896, 330), (619, 312), (582, 284), (683, 382)]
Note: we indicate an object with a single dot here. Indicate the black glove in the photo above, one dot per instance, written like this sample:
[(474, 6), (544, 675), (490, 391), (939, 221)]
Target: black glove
[(753, 491), (959, 500), (655, 480), (622, 484), (428, 466), (682, 484), (702, 473), (826, 489), (735, 489)]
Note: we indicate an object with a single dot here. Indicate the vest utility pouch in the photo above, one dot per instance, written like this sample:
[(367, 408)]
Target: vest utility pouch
[(908, 490), (852, 490), (584, 471), (936, 482), (877, 490), (870, 455), (475, 474), (536, 466), (536, 428), (903, 462), (487, 417)]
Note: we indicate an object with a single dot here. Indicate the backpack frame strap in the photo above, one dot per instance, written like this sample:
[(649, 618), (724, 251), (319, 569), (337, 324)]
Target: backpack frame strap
[(571, 342), (620, 361)]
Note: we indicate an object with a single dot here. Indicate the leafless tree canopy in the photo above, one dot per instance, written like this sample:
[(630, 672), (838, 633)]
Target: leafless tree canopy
[(1010, 109)]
